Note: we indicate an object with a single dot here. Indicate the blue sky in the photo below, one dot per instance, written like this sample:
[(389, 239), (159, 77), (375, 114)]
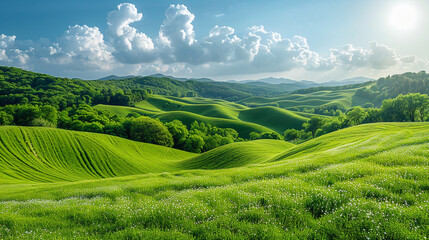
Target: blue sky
[(35, 37)]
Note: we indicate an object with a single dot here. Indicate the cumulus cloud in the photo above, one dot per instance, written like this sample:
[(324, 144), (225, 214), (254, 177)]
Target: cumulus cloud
[(6, 41), (176, 49), (408, 59), (177, 28), (381, 56), (10, 54), (81, 47), (377, 56), (3, 56), (130, 46), (177, 37)]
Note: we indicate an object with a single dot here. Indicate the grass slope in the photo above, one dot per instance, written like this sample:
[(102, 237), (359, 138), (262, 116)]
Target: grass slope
[(216, 112), (237, 154), (344, 98), (49, 155), (275, 118), (364, 182)]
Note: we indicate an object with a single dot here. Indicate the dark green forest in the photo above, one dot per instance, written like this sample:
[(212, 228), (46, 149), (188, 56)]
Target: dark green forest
[(392, 86)]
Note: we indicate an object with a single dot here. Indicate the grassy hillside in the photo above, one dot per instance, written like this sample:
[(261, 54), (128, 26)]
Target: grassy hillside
[(364, 182), (50, 155), (237, 154), (342, 97), (216, 112), (275, 118)]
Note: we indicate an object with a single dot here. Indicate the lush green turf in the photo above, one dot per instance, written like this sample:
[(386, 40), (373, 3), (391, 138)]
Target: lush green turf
[(49, 155), (216, 112), (364, 182), (38, 154), (237, 154), (275, 118), (344, 98)]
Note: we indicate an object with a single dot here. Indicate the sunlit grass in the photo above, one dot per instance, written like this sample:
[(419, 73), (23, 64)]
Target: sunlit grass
[(216, 112), (365, 182)]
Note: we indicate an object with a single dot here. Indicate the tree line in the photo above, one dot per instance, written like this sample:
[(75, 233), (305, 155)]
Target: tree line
[(18, 86), (392, 86), (23, 87), (198, 137)]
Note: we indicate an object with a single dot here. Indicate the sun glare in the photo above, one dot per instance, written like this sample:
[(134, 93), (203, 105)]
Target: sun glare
[(403, 17)]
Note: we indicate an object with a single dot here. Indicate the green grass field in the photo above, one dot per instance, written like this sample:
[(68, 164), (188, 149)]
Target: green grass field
[(51, 155), (344, 98), (216, 112), (364, 182)]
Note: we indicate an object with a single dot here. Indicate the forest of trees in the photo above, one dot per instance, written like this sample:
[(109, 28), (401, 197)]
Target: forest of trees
[(22, 87), (392, 86), (18, 86)]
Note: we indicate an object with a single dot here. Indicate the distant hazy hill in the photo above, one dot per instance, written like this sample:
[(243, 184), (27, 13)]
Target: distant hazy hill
[(282, 84), (304, 83), (348, 81), (159, 75), (114, 77), (286, 83), (270, 80)]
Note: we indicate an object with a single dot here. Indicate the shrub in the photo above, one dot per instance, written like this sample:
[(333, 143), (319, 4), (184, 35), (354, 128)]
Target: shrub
[(40, 122), (149, 130)]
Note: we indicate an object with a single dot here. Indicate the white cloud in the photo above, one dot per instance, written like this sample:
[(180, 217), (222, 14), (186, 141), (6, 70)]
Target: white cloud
[(177, 37), (3, 56), (177, 27), (130, 46), (10, 54), (377, 56), (223, 46), (84, 49), (381, 56), (408, 59), (6, 41), (350, 56), (80, 48)]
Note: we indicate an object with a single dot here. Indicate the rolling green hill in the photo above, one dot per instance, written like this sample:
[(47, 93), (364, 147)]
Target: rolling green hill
[(368, 181), (344, 98), (237, 154), (49, 155), (217, 112)]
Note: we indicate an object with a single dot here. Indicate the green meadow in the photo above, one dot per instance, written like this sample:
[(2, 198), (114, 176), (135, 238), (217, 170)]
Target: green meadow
[(365, 182), (344, 98), (217, 112)]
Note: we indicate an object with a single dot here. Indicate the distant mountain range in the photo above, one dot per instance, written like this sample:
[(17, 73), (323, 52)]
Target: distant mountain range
[(114, 77), (159, 75), (348, 81), (182, 79), (271, 82)]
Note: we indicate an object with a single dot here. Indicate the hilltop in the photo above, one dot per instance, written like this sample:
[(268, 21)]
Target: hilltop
[(219, 113)]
